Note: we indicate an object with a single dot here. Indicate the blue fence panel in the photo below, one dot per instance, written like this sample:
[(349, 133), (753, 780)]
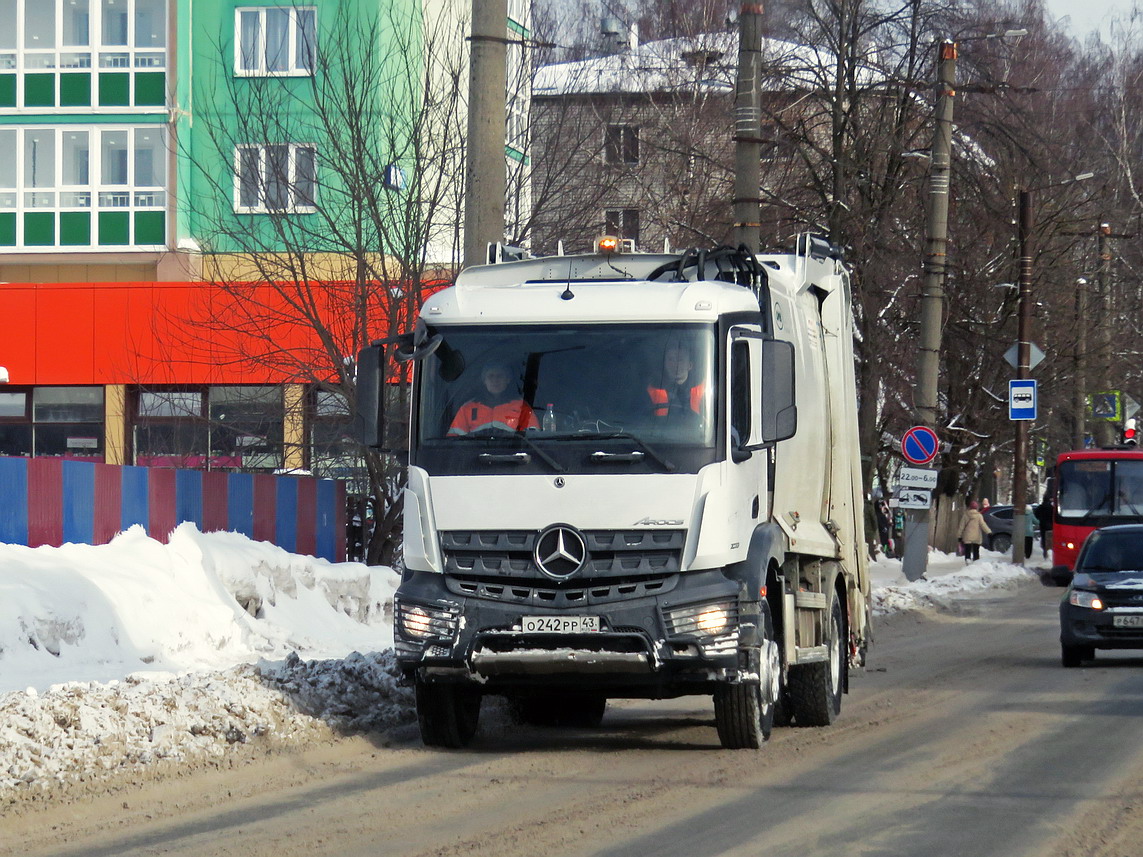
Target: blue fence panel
[(135, 503), (286, 525), (188, 497), (240, 503), (326, 519), (14, 490), (79, 502)]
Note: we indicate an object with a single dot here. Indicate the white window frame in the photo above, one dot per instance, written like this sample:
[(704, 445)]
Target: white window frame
[(292, 69), (94, 196), (293, 207)]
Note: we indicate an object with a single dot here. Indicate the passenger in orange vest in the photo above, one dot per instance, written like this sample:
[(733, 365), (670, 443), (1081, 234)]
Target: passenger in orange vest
[(676, 392), (496, 407)]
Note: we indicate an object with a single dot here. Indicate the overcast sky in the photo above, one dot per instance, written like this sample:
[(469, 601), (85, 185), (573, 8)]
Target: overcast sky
[(1088, 15)]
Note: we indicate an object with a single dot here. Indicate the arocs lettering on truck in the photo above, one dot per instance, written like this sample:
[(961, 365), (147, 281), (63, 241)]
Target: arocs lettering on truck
[(627, 480)]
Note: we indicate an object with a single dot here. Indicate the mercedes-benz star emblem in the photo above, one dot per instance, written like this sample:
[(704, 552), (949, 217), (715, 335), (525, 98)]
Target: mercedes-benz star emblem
[(560, 551)]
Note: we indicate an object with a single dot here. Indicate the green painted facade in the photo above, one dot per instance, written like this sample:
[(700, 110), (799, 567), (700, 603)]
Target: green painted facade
[(126, 121)]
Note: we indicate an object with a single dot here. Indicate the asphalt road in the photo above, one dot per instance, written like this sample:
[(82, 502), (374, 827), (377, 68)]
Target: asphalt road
[(965, 737)]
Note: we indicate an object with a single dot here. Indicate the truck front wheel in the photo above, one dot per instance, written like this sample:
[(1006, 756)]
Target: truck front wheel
[(448, 714), (815, 689), (744, 711)]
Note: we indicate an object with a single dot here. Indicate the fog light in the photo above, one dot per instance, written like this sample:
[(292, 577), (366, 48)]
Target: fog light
[(711, 620), (419, 622)]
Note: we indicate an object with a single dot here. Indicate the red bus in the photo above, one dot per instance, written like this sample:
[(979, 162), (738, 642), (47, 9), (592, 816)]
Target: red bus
[(1094, 488)]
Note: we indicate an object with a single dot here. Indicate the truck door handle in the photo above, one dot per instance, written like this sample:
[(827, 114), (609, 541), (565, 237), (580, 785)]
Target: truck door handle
[(616, 457), (504, 458)]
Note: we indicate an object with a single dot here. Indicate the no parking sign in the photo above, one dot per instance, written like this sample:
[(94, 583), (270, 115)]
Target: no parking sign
[(919, 445)]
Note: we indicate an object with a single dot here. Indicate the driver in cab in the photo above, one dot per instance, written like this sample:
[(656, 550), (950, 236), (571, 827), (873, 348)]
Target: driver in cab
[(678, 389), (494, 407)]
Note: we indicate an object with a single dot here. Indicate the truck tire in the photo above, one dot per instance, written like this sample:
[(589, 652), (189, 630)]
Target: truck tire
[(815, 689), (583, 711), (744, 711), (447, 713)]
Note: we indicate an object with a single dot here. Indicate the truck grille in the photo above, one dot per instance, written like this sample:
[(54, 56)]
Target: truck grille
[(630, 554), (536, 593)]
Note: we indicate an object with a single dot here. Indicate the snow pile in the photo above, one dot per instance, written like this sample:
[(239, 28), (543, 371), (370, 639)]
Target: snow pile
[(203, 601), (138, 657), (947, 580)]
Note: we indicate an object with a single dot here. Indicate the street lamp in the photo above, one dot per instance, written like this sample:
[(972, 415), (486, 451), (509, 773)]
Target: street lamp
[(1023, 364)]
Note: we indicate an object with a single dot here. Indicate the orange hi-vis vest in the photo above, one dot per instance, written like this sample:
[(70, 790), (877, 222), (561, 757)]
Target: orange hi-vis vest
[(511, 416), (661, 402)]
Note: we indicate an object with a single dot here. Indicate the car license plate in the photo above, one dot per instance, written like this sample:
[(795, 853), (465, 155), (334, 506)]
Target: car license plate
[(560, 624), (1127, 621)]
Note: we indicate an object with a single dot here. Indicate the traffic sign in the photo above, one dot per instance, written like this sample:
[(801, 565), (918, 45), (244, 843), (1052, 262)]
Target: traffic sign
[(917, 477), (1035, 355), (1130, 407), (919, 446), (1106, 405), (915, 498), (1022, 400)]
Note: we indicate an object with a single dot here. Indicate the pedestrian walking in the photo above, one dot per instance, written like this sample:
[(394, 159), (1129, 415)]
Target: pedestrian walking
[(972, 531)]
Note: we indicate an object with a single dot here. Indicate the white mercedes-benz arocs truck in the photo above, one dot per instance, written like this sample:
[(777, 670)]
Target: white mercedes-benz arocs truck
[(632, 476)]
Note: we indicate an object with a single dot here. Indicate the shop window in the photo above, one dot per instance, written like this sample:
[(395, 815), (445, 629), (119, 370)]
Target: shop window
[(246, 426), (67, 422), (334, 452), (170, 429), (15, 427)]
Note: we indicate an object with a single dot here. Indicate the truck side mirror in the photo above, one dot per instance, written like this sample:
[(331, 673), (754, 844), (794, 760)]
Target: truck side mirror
[(779, 405), (370, 375)]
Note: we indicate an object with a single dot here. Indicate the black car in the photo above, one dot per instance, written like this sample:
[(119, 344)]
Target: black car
[(1103, 606)]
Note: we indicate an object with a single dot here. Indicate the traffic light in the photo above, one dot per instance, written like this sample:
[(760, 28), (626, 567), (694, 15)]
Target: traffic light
[(1129, 436)]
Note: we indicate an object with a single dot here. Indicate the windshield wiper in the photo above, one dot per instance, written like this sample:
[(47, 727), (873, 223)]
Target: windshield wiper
[(509, 458), (626, 435)]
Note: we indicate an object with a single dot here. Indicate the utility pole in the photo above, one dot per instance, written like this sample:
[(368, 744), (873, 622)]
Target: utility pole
[(1023, 372), (485, 170), (1104, 430), (1079, 365), (916, 556), (748, 129)]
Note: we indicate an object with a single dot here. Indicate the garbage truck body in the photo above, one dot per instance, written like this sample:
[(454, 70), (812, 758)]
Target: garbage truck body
[(632, 476)]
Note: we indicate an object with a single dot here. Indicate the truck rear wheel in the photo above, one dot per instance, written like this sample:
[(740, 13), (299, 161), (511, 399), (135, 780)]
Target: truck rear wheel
[(744, 712), (815, 689), (448, 714)]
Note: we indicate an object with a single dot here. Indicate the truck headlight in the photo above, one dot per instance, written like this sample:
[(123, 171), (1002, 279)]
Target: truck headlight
[(1082, 598), (421, 622), (711, 619)]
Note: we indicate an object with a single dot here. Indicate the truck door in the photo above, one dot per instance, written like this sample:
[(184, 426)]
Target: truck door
[(746, 459)]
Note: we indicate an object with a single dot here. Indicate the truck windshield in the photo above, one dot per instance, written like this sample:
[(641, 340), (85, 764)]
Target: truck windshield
[(651, 383), (1101, 488)]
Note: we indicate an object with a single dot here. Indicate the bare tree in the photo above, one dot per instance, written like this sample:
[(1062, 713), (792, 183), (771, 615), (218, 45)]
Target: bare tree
[(329, 194)]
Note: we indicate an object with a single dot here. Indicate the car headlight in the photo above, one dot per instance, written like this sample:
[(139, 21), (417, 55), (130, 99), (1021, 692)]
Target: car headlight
[(1083, 598)]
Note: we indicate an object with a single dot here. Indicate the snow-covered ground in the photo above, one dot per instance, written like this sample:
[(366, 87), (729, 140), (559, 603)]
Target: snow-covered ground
[(138, 654)]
